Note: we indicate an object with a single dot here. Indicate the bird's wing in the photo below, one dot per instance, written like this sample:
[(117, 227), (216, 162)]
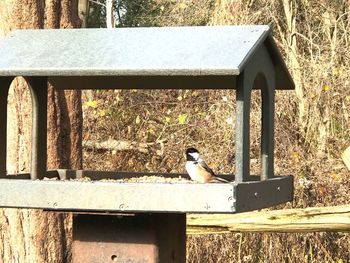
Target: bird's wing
[(203, 164), (218, 180)]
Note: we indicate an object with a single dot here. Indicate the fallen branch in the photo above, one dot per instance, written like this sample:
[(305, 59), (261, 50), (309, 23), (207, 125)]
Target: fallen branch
[(314, 219), (114, 145)]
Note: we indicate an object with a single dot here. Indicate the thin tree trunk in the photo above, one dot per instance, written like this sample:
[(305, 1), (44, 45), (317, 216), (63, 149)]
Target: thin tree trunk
[(109, 14), (83, 11), (33, 235), (289, 7)]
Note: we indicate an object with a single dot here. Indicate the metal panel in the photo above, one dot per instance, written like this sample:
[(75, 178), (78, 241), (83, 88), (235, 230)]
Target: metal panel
[(112, 196), (257, 195), (136, 197), (217, 50)]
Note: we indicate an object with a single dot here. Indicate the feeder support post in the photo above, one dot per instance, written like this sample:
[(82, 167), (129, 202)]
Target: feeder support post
[(260, 74), (38, 90), (243, 96), (5, 83), (267, 125)]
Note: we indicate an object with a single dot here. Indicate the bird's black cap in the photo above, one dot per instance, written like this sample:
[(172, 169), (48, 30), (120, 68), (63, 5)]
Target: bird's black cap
[(191, 150), (189, 157)]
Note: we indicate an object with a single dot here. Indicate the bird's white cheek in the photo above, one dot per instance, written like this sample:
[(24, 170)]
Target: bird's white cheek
[(195, 155)]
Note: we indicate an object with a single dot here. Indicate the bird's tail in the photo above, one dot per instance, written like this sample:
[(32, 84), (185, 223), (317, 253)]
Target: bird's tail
[(218, 180)]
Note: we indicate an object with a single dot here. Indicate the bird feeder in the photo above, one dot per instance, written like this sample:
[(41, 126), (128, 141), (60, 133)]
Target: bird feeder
[(142, 221)]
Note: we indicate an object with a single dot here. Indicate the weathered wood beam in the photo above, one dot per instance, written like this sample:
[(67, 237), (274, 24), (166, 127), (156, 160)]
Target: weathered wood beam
[(313, 219)]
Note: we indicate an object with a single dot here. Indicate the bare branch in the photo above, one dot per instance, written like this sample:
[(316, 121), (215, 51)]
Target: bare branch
[(97, 2), (115, 145)]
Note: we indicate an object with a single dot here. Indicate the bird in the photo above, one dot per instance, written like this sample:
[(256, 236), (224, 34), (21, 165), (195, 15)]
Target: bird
[(198, 170)]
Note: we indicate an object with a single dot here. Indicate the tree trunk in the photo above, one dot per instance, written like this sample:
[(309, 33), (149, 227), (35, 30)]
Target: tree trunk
[(34, 235), (84, 8), (290, 10), (110, 21)]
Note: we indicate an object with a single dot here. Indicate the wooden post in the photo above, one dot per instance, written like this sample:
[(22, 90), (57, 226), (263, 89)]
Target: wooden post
[(148, 238)]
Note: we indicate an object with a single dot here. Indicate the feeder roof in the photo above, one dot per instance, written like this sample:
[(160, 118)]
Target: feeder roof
[(166, 51)]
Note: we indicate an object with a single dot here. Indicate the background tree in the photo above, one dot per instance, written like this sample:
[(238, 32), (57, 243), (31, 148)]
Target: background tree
[(34, 235)]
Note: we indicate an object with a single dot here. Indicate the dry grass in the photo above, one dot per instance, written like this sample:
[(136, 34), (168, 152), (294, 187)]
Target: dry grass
[(320, 247)]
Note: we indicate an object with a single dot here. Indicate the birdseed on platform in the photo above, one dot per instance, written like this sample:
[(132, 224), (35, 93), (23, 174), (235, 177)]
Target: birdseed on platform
[(140, 179), (150, 179)]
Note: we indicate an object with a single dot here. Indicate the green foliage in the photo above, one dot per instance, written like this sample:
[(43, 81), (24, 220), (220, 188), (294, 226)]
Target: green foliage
[(182, 118), (137, 13), (132, 13), (97, 15)]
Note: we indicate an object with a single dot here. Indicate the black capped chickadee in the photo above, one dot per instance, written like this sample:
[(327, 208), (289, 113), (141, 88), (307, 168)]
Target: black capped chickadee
[(198, 170)]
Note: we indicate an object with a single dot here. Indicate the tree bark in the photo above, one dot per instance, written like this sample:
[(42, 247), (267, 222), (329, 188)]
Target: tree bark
[(33, 235)]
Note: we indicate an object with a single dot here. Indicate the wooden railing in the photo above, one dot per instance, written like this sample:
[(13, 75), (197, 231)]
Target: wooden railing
[(313, 219)]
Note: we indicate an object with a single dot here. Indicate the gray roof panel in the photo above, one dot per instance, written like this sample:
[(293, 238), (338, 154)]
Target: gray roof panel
[(128, 51), (181, 51)]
